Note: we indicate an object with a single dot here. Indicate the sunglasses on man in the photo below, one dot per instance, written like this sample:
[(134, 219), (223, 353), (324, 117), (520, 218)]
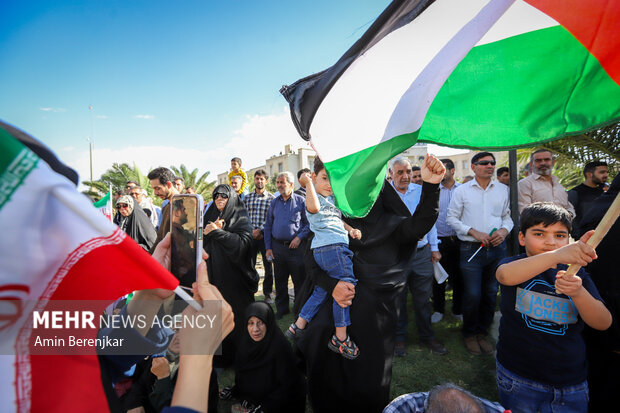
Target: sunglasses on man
[(485, 163)]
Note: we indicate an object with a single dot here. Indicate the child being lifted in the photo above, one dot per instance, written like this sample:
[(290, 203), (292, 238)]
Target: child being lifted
[(541, 360), (330, 248)]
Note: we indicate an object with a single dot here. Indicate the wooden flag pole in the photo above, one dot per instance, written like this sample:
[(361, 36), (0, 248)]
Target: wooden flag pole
[(599, 233)]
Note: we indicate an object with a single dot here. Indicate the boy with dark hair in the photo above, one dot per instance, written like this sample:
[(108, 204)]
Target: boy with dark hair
[(541, 364), (235, 169), (330, 247)]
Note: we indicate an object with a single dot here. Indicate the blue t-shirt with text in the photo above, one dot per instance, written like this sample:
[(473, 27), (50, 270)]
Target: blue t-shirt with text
[(540, 330)]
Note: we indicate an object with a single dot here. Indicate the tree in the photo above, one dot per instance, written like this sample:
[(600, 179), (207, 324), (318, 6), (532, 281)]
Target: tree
[(116, 177), (572, 153), (200, 184)]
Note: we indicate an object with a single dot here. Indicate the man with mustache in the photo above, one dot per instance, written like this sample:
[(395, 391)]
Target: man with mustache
[(540, 185)]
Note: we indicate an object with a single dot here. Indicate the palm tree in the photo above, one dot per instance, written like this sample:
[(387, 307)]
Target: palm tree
[(574, 152), (116, 177), (200, 184)]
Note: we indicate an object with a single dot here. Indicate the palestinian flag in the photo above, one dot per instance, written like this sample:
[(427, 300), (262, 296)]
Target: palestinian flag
[(105, 205), (56, 246), (496, 74)]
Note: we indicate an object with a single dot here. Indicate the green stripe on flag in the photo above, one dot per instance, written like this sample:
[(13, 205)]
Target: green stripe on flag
[(515, 92), (103, 201), (16, 162), (357, 179)]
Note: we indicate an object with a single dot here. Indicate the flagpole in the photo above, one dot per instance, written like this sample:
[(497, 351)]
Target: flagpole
[(111, 204), (90, 142)]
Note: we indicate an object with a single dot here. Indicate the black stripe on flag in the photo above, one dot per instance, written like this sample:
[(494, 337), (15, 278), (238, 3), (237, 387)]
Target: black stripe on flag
[(306, 95)]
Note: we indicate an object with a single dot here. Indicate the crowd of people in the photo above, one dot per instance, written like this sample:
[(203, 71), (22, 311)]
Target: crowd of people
[(552, 325)]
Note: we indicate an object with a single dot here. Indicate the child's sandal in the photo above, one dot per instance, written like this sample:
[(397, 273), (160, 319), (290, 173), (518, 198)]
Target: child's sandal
[(347, 348), (293, 332)]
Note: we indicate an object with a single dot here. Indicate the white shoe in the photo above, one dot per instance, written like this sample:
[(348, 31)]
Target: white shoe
[(436, 317)]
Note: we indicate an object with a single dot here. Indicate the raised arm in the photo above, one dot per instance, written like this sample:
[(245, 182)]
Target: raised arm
[(516, 272), (312, 200), (414, 228)]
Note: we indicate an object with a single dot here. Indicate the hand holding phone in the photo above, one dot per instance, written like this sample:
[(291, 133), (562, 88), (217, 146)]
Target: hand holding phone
[(186, 236)]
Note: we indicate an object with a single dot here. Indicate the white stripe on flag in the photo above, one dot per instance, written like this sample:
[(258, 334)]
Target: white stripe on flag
[(519, 18), (361, 103), (43, 231), (412, 107)]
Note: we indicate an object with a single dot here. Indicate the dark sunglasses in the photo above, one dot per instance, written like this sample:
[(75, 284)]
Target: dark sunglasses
[(215, 196), (485, 163), (122, 206)]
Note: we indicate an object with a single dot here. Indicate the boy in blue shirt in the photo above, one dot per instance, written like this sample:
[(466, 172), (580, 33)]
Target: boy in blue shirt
[(330, 248), (541, 364)]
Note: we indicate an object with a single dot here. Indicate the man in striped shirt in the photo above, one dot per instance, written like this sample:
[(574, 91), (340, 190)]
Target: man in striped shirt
[(449, 248), (257, 204)]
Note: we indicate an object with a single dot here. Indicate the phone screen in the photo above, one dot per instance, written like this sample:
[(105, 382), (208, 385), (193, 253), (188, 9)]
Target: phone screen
[(186, 237)]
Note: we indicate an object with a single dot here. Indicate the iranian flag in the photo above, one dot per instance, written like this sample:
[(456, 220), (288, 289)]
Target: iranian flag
[(498, 74), (56, 246), (105, 205)]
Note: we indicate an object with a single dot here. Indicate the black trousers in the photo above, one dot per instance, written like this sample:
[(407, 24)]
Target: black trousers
[(258, 245), (287, 262), (450, 256)]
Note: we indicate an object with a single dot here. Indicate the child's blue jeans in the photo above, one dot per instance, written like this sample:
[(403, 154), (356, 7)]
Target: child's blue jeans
[(523, 395), (337, 261)]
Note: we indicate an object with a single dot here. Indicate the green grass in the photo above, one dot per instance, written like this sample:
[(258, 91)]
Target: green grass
[(420, 370)]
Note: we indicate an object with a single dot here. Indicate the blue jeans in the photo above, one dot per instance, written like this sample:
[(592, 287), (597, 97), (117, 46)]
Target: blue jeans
[(479, 286), (522, 395), (337, 261)]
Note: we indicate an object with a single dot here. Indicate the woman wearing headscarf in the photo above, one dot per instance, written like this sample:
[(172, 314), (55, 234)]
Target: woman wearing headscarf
[(266, 377), (228, 240), (134, 222), (380, 259)]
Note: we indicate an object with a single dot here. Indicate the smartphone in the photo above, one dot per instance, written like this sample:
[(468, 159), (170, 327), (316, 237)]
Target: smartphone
[(186, 236)]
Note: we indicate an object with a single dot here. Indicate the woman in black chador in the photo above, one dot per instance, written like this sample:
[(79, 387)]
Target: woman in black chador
[(228, 240), (134, 222), (390, 235), (266, 377)]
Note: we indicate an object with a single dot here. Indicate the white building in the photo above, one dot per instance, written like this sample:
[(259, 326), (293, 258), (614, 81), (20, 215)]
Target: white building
[(288, 160)]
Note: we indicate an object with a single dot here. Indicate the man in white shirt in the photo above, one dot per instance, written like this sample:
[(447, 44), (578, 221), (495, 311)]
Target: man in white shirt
[(420, 277), (477, 208)]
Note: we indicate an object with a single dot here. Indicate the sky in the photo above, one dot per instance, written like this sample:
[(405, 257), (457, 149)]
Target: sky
[(165, 82)]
